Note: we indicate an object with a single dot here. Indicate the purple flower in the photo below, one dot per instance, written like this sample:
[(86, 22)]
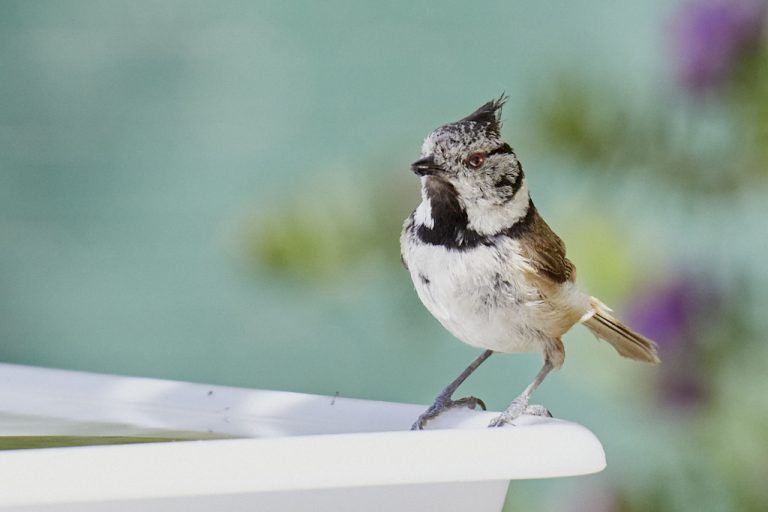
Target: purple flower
[(711, 36), (669, 312), (675, 314)]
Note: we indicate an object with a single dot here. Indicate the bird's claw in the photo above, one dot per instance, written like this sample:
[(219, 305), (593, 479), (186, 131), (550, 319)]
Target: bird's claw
[(517, 409), (470, 402), (442, 405)]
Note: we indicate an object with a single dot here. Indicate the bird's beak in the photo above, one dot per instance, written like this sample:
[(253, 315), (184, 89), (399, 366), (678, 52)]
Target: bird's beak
[(425, 166)]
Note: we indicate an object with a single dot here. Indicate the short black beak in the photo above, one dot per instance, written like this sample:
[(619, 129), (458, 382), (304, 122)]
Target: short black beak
[(425, 166)]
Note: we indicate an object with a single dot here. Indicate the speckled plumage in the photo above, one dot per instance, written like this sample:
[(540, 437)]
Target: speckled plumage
[(482, 259)]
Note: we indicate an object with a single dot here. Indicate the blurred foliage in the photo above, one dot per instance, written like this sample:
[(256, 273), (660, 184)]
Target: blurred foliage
[(712, 148), (711, 136), (328, 233)]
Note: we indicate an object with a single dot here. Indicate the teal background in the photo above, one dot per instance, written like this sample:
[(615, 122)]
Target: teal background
[(137, 137), (143, 143)]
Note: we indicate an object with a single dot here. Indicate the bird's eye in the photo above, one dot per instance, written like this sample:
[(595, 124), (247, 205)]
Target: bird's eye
[(475, 160)]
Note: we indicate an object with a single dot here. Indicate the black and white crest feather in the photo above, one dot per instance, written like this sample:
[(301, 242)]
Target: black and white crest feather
[(489, 115)]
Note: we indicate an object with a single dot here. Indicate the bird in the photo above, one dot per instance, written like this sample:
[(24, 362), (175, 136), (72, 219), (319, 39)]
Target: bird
[(487, 266)]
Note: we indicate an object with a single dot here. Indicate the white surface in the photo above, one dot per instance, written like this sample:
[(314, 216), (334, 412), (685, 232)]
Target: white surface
[(446, 497), (327, 453)]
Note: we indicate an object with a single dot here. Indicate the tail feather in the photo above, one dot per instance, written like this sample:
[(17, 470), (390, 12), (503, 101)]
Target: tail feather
[(627, 342)]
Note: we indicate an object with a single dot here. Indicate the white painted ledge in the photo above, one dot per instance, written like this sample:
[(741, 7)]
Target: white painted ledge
[(292, 451)]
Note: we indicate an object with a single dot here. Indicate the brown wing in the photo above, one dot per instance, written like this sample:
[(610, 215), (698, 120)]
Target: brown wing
[(546, 251)]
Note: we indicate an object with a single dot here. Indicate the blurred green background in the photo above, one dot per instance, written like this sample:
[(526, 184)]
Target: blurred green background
[(213, 191)]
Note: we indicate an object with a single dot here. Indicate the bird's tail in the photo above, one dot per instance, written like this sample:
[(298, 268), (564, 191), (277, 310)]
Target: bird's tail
[(627, 342)]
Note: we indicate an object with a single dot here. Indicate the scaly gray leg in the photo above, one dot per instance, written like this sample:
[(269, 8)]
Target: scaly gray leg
[(444, 402), (519, 405)]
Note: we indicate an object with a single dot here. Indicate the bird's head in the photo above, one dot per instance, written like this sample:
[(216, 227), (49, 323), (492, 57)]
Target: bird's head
[(469, 160)]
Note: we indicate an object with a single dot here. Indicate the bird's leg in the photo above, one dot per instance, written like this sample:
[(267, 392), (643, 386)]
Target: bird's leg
[(519, 405), (443, 401)]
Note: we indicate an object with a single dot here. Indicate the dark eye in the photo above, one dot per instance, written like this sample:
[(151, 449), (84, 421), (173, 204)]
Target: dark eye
[(475, 160)]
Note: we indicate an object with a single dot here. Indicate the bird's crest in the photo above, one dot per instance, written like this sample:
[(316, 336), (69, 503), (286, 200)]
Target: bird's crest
[(489, 115)]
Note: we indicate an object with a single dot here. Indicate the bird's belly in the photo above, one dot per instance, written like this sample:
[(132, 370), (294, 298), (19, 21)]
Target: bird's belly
[(480, 297)]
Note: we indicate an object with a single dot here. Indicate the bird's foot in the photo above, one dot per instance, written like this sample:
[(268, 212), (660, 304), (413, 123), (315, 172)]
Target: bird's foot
[(442, 404), (517, 408)]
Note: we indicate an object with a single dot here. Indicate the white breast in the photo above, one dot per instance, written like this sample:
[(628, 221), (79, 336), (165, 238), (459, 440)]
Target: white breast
[(480, 295)]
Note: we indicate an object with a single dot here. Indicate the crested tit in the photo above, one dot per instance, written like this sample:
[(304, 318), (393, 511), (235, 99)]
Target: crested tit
[(488, 267)]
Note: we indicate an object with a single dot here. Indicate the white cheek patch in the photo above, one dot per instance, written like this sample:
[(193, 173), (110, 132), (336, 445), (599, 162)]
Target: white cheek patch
[(518, 206), (488, 218), (423, 214)]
